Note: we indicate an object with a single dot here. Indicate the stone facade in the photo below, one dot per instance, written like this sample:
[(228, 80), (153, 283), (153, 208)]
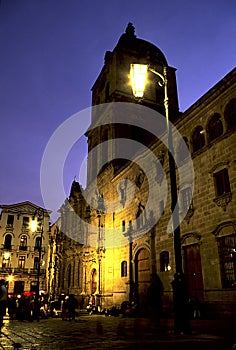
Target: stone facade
[(117, 247)]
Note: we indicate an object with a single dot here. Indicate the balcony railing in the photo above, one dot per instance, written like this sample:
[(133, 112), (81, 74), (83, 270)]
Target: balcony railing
[(7, 270), (21, 248), (6, 247)]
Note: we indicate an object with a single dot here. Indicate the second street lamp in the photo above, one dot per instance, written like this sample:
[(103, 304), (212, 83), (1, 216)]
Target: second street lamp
[(138, 74)]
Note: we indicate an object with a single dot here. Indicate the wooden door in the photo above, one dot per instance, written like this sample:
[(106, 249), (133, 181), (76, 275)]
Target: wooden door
[(142, 275), (193, 270)]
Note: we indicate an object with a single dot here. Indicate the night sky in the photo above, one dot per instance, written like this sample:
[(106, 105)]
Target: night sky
[(53, 50)]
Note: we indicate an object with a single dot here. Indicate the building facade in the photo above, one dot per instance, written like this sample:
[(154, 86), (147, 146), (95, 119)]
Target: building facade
[(19, 247), (113, 252)]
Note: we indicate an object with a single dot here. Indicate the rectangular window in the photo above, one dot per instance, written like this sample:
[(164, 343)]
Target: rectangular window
[(21, 262), (5, 263), (227, 254), (221, 181), (36, 263), (25, 221), (186, 195), (10, 220), (124, 269)]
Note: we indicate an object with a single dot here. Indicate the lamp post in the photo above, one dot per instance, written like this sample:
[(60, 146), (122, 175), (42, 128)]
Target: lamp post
[(34, 227), (131, 280), (100, 250), (138, 74)]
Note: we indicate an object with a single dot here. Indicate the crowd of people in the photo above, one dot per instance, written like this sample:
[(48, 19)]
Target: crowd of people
[(23, 307)]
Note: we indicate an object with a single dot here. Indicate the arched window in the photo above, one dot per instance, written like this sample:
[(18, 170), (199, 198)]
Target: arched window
[(164, 261), (183, 149), (23, 242), (124, 268), (230, 114), (214, 127), (7, 242), (198, 138)]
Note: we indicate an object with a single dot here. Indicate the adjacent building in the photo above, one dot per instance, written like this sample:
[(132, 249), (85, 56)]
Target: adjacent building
[(19, 247)]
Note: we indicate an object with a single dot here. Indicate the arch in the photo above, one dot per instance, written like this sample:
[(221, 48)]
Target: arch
[(190, 238), (225, 228), (214, 127), (197, 138), (230, 114)]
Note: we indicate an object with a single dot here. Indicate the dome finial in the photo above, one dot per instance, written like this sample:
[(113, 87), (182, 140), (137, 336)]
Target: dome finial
[(130, 30)]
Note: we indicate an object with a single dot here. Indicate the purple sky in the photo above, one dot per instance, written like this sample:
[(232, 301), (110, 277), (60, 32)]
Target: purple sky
[(52, 52)]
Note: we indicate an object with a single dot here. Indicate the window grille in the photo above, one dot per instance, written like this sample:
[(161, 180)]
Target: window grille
[(227, 254)]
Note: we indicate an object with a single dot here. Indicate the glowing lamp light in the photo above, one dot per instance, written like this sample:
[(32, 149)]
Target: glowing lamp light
[(138, 76), (6, 255), (10, 278), (33, 225)]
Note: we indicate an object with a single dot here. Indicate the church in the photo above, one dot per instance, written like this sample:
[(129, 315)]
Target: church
[(160, 194)]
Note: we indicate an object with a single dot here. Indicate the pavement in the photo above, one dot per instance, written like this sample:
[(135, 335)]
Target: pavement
[(101, 332)]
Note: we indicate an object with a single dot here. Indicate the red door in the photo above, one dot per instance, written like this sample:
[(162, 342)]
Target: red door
[(193, 270)]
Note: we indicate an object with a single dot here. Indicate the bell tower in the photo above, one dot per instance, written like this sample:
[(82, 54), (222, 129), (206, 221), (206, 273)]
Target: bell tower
[(113, 85)]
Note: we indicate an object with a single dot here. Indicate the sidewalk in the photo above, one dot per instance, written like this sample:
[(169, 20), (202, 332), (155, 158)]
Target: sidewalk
[(100, 332)]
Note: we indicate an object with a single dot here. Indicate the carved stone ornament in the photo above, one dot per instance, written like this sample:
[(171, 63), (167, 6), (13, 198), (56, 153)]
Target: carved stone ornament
[(189, 214), (140, 178), (224, 200)]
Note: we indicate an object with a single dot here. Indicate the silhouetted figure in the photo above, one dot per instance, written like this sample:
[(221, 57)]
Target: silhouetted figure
[(181, 304), (3, 301), (72, 304), (154, 300), (11, 304)]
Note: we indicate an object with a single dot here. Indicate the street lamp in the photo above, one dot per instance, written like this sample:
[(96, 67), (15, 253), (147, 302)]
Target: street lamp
[(129, 234), (138, 74), (34, 227), (100, 250)]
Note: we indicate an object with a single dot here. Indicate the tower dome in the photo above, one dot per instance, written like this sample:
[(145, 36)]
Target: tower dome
[(140, 48)]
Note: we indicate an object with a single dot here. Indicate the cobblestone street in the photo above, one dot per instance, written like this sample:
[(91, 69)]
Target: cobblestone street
[(100, 332)]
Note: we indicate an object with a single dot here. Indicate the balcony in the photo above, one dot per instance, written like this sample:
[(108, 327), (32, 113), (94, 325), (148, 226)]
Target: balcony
[(21, 270), (24, 248), (35, 272), (6, 247), (9, 228), (7, 270)]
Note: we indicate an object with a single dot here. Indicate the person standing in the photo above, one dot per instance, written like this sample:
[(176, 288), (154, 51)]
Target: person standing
[(3, 301), (154, 301)]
